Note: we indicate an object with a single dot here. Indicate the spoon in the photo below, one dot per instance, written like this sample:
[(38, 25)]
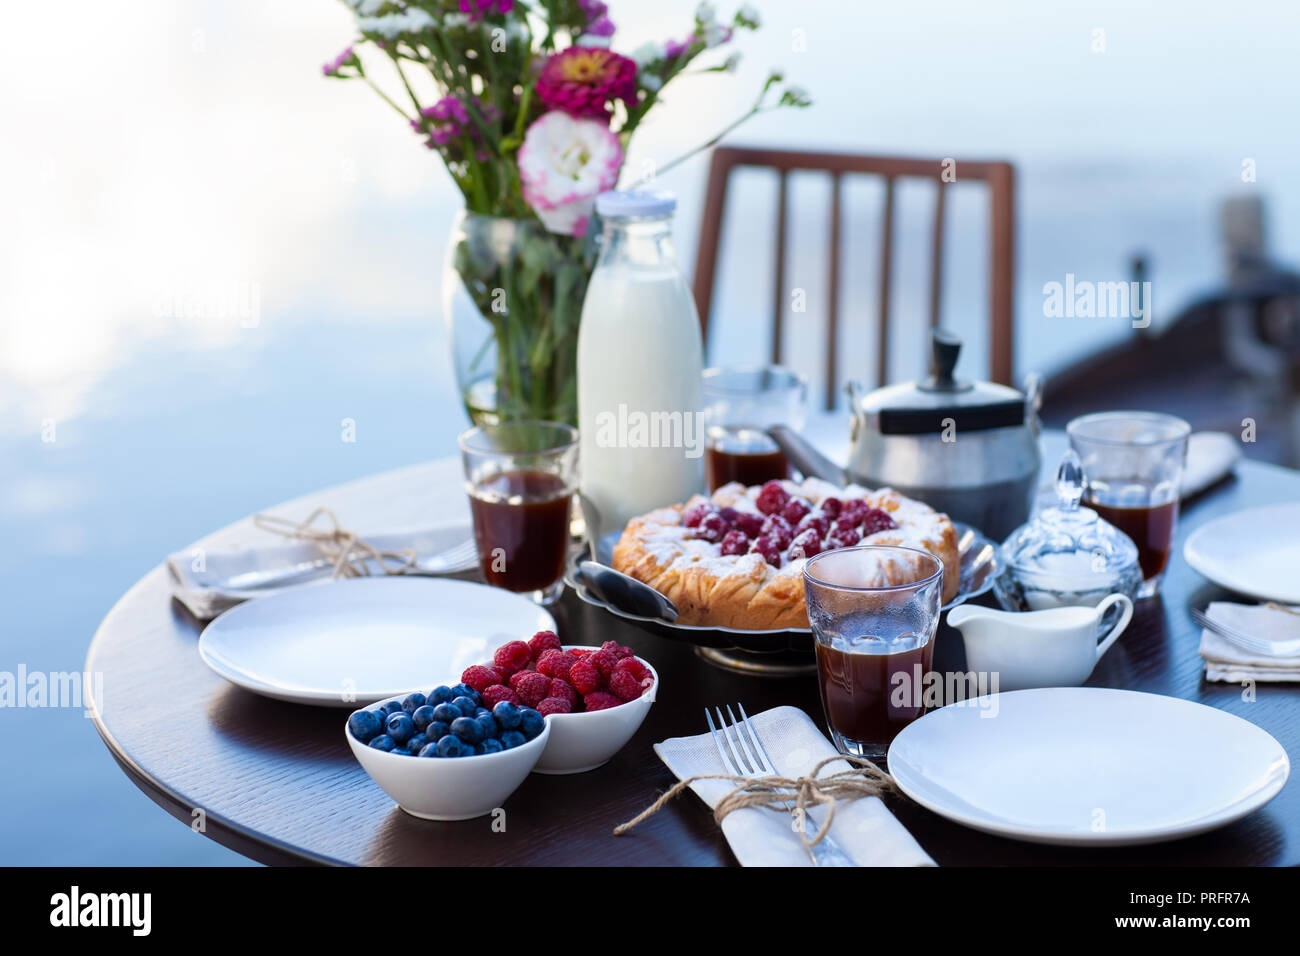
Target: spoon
[(625, 592)]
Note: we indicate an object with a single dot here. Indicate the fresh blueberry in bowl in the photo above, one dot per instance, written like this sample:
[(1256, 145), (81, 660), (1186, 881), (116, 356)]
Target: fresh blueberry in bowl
[(467, 705), (416, 742), (429, 750), (422, 717), (437, 730), (507, 715), (391, 707), (400, 727), (414, 702), (530, 723), (446, 713), (383, 742), (464, 690), (441, 695), (365, 725), (451, 746), (487, 723), (467, 729), (492, 746), (511, 739)]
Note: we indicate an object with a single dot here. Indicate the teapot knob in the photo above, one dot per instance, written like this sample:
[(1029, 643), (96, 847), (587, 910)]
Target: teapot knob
[(1069, 481)]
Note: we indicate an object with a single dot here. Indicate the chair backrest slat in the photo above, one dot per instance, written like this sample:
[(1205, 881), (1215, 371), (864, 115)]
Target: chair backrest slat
[(998, 176)]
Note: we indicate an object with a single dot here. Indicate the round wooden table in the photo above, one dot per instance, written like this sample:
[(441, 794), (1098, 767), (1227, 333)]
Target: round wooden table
[(277, 782)]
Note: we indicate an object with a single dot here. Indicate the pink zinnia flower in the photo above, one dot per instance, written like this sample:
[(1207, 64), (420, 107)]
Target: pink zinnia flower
[(582, 81)]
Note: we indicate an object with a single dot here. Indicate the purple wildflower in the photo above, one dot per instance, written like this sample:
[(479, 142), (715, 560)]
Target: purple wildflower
[(346, 58), (448, 120), (602, 26), (478, 9)]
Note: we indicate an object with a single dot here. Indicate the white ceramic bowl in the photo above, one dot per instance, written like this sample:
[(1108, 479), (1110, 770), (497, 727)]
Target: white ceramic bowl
[(449, 788), (585, 741)]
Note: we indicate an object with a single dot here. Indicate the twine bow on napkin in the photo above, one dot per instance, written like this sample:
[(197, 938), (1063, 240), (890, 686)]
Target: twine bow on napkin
[(347, 552), (865, 779)]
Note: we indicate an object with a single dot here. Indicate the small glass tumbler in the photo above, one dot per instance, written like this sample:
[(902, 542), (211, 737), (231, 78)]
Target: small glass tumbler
[(874, 611), (740, 404), (520, 477), (1133, 470)]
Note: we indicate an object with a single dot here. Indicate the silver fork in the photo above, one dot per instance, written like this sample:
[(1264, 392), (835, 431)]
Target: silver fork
[(1259, 645), (744, 755), (460, 557)]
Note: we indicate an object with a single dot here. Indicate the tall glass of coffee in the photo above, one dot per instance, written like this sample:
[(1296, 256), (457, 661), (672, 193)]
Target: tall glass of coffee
[(1133, 470), (520, 477), (874, 611)]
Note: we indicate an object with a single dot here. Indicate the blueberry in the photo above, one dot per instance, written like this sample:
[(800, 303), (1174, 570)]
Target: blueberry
[(441, 695), (450, 746), (446, 713), (413, 702), (530, 722), (400, 727), (464, 690), (365, 725), (437, 730), (391, 707), (507, 715), (492, 746), (415, 743), (383, 742), (423, 717), (467, 706), (488, 725), (478, 749), (429, 750), (480, 711), (467, 729), (511, 739)]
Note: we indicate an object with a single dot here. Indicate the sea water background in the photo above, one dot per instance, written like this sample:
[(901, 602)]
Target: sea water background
[(213, 256)]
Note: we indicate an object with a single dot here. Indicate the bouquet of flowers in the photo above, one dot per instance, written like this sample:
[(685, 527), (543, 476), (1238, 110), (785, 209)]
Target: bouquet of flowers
[(532, 113)]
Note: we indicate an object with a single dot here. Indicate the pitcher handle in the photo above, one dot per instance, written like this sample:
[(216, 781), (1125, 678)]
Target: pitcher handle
[(1118, 628)]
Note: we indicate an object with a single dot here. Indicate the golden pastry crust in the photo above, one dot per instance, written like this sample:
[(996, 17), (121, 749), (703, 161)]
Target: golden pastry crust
[(744, 591)]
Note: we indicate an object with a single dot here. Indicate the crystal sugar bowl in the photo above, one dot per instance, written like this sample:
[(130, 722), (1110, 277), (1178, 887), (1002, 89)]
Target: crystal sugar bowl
[(1065, 555)]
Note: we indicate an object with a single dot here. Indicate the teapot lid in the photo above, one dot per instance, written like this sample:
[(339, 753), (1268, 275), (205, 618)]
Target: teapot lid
[(919, 408), (1069, 542)]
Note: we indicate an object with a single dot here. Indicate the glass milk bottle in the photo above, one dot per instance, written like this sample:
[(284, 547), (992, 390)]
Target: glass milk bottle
[(640, 362)]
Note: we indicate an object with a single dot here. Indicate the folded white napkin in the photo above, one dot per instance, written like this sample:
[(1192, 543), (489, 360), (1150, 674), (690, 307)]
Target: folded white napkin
[(1225, 661), (198, 576), (863, 828)]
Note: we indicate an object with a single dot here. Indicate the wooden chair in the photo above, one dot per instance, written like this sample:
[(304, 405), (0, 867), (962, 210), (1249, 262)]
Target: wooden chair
[(999, 176)]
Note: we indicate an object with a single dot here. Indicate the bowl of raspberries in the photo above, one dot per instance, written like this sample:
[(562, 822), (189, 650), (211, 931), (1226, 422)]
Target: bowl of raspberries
[(593, 698)]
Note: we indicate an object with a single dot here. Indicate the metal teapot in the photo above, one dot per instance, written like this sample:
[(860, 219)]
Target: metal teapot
[(969, 449)]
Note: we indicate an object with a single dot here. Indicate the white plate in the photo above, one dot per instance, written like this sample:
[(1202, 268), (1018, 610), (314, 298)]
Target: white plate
[(352, 642), (1253, 552), (1087, 766)]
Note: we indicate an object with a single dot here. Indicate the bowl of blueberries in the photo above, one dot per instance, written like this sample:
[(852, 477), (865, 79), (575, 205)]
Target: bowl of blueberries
[(444, 755)]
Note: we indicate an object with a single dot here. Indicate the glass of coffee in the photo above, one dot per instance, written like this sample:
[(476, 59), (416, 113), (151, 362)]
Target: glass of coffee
[(1133, 470), (874, 611), (520, 477), (740, 404)]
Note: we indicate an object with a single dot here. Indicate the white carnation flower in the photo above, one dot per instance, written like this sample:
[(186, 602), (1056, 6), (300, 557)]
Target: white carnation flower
[(564, 163)]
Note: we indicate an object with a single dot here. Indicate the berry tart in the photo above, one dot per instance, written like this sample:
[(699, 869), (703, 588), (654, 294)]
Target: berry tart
[(736, 559)]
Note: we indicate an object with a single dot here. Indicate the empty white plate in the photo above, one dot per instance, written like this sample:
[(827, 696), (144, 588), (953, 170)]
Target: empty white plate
[(1253, 552), (352, 642), (1087, 766)]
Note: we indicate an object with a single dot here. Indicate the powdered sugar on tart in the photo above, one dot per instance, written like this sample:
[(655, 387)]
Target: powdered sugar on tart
[(736, 558)]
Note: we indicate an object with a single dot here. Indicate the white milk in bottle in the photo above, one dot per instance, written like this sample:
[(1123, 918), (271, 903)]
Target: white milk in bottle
[(640, 362)]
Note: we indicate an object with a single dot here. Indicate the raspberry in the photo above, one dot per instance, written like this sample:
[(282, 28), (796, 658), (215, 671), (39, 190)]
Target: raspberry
[(728, 515), (712, 529), (579, 653), (481, 677), (617, 649), (767, 548), (630, 665), (696, 513), (553, 705), (541, 642), (735, 543), (771, 498), (841, 537), (779, 530), (853, 511), (603, 660), (532, 688), (496, 693), (750, 523), (794, 511), (805, 545), (585, 677), (820, 523), (518, 676), (830, 507), (512, 657), (625, 686), (555, 664), (564, 690), (876, 521), (600, 700)]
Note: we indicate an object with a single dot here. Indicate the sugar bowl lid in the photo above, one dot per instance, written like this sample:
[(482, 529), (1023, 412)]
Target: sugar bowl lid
[(1070, 544)]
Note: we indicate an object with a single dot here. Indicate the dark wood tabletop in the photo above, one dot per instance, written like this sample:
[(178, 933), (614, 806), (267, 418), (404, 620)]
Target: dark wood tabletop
[(276, 781)]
